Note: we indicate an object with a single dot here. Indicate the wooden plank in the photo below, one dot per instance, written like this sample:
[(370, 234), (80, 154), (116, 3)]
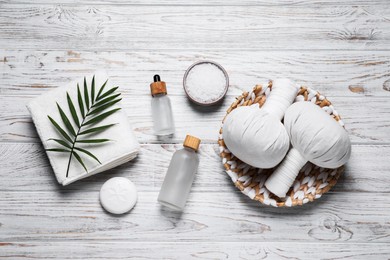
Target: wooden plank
[(24, 167), (336, 73), (189, 250), (366, 119), (39, 219), (280, 3), (123, 27), (208, 216)]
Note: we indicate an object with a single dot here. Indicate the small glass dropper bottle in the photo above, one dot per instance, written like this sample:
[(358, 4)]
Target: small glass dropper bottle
[(180, 175), (161, 108)]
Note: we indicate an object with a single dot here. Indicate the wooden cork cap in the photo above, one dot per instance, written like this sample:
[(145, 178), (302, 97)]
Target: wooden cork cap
[(158, 87), (192, 142)]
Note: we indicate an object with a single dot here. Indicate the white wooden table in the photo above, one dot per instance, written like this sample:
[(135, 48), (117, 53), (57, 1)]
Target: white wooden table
[(341, 48)]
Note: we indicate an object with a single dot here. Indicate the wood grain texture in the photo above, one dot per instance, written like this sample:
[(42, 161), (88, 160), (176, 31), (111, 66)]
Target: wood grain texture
[(340, 48), (190, 250), (366, 119), (279, 3), (24, 167), (224, 216), (333, 72), (113, 27)]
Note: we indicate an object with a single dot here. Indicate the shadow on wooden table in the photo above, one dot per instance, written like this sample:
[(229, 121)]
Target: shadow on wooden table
[(208, 109)]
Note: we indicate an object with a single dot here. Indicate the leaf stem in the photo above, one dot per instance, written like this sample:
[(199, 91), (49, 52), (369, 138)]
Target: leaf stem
[(74, 143), (89, 111), (75, 139)]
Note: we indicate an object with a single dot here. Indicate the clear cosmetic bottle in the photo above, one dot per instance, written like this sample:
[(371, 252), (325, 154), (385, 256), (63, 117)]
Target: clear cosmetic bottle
[(161, 108), (180, 175)]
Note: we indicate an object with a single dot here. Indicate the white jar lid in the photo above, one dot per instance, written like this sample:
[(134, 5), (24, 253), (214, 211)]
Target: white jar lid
[(118, 195)]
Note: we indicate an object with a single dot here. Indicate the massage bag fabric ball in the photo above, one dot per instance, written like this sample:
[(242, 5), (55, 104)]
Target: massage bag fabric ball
[(255, 137), (316, 135)]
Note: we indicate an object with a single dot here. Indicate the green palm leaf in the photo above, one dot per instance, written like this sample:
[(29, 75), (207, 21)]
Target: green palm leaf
[(79, 160), (101, 89), (66, 121), (80, 100), (86, 98), (59, 129), (96, 129), (103, 107), (99, 118), (72, 110), (92, 110), (107, 93), (58, 150), (93, 90), (87, 153), (104, 101), (93, 141), (62, 142)]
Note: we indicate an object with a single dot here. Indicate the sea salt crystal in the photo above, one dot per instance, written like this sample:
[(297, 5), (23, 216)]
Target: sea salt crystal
[(206, 83)]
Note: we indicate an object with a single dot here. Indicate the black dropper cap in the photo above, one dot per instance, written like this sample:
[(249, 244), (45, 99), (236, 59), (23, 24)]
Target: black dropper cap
[(156, 78)]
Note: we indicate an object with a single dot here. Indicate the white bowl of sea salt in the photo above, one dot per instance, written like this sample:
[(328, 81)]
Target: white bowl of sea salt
[(206, 83)]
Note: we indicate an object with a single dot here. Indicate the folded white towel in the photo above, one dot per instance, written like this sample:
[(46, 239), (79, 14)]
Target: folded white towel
[(123, 147)]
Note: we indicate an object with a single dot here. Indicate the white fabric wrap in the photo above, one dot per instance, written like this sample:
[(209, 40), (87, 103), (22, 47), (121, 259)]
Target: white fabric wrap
[(284, 176), (256, 136), (281, 97), (317, 136), (124, 146)]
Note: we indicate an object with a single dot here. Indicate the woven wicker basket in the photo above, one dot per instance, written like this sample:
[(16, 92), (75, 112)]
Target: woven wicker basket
[(312, 181)]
